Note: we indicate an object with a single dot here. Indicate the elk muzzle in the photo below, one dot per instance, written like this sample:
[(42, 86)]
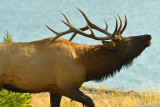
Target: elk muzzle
[(145, 40), (148, 39)]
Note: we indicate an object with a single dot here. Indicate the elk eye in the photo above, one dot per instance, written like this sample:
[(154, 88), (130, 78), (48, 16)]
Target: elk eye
[(128, 41)]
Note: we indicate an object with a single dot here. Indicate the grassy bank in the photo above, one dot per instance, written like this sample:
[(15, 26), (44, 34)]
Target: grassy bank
[(103, 98)]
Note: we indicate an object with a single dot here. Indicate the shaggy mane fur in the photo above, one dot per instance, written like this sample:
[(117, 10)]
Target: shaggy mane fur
[(101, 63)]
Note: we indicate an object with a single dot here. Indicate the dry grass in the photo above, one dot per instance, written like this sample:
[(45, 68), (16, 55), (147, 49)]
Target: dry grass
[(103, 98)]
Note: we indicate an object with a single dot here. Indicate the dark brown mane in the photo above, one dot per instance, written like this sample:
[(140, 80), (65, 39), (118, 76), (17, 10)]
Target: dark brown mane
[(101, 63)]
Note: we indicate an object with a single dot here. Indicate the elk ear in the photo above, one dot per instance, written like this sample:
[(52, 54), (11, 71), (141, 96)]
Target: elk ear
[(109, 45)]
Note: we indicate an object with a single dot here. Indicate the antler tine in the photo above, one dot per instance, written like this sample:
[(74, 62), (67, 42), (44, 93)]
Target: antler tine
[(93, 26), (84, 16), (66, 18), (74, 34), (68, 24), (52, 30), (119, 29), (52, 40), (115, 30), (125, 25), (106, 25)]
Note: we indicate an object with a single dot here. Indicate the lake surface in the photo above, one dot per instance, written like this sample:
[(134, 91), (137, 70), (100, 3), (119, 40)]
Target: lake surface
[(26, 19)]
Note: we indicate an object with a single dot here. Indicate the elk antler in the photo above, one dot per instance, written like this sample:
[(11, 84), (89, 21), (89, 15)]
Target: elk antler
[(125, 25), (88, 26)]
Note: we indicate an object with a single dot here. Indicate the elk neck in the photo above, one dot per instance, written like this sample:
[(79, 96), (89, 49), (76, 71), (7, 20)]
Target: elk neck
[(101, 63)]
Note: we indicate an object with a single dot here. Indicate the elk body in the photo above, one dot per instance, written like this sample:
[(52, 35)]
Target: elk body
[(59, 66)]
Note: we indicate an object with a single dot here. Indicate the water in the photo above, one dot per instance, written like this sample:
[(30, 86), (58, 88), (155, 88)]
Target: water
[(25, 20)]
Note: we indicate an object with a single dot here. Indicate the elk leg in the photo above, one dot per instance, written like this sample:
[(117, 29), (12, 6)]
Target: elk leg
[(77, 95), (55, 100)]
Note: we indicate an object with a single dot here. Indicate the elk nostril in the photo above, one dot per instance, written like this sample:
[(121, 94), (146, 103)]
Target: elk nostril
[(148, 36)]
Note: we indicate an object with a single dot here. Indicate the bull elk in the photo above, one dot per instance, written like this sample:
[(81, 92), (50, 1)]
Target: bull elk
[(59, 66)]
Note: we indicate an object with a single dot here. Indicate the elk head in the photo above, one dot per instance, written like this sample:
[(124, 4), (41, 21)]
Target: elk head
[(132, 45)]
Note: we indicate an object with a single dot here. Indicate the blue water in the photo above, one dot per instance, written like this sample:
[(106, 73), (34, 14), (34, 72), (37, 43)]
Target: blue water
[(26, 19)]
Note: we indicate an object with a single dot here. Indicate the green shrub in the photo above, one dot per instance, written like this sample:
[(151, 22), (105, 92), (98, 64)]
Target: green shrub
[(8, 37), (11, 99)]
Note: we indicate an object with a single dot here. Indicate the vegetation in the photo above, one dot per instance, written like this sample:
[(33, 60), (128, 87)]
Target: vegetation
[(11, 99), (103, 98), (8, 37)]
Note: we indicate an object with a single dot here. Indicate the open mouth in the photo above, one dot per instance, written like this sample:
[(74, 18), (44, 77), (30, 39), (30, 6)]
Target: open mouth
[(149, 43)]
